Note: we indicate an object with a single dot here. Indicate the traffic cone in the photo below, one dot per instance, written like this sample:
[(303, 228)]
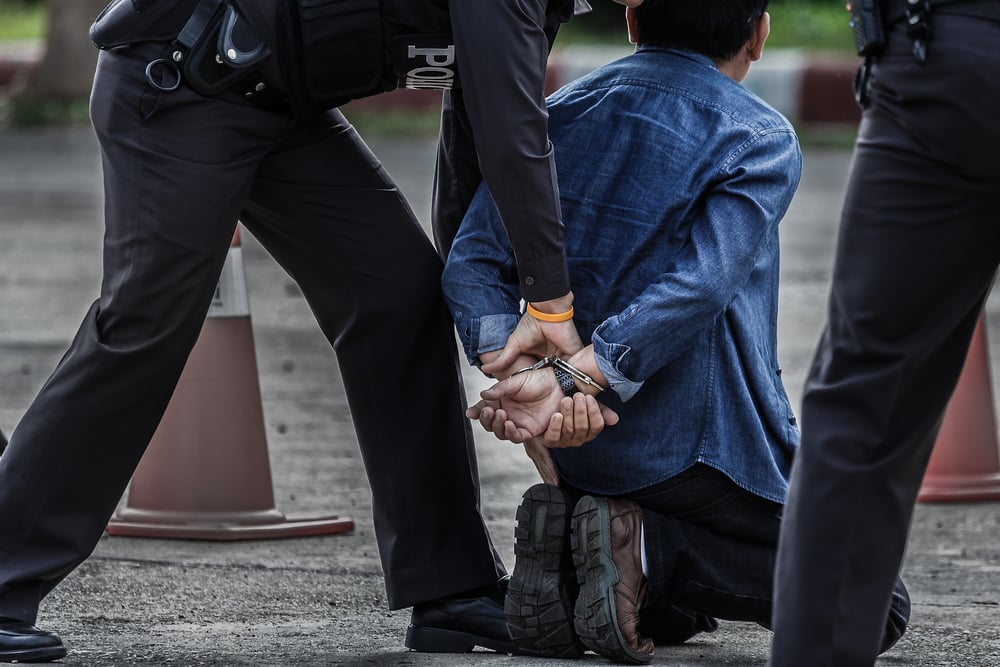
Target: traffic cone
[(206, 473), (965, 463)]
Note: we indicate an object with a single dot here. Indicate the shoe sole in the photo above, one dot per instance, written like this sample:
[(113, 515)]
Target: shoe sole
[(595, 614), (538, 606), (435, 640), (34, 654)]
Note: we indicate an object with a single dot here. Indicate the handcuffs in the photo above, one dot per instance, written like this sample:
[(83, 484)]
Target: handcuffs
[(566, 374)]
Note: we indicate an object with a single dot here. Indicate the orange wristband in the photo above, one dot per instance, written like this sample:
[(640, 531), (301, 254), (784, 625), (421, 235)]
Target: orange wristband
[(550, 317)]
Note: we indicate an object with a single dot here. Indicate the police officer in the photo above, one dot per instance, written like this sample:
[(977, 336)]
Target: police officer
[(209, 111), (918, 249)]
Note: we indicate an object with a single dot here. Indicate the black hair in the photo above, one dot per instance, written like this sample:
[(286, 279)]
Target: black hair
[(715, 28)]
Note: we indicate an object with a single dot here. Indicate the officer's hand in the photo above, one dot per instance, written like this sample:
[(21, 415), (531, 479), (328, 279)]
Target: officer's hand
[(538, 339)]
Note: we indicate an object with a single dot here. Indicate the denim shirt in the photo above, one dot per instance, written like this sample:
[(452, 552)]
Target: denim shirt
[(672, 180)]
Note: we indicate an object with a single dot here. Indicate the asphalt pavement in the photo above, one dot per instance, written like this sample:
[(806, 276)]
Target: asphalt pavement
[(320, 600)]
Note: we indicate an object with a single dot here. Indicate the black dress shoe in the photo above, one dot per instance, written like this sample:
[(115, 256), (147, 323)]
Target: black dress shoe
[(459, 623), (543, 589), (23, 642), (899, 617)]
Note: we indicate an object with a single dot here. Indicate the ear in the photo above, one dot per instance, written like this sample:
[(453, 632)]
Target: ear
[(633, 25), (761, 29)]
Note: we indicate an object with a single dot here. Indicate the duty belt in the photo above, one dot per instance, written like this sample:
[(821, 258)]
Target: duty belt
[(215, 51), (916, 14), (896, 10)]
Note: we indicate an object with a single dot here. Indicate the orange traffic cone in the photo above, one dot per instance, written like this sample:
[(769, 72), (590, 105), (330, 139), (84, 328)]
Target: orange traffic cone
[(206, 474), (965, 463)]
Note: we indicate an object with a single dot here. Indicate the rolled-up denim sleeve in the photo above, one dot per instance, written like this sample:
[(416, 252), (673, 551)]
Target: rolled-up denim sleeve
[(608, 356), (480, 281)]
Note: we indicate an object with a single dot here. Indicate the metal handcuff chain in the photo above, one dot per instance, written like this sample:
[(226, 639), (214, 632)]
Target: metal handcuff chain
[(562, 364)]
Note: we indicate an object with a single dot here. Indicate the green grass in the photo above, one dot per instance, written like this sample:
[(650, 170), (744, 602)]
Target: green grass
[(19, 21), (821, 24), (412, 123), (46, 112), (810, 26)]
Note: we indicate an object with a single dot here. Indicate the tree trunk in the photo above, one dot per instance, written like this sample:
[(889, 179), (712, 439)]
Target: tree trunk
[(59, 86)]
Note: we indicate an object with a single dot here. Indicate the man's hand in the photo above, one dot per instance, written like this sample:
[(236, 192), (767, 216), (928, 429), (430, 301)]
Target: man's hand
[(520, 407), (532, 404), (580, 419)]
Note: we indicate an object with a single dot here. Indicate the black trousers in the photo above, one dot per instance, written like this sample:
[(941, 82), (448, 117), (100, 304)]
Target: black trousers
[(179, 170), (710, 548), (918, 249), (710, 551)]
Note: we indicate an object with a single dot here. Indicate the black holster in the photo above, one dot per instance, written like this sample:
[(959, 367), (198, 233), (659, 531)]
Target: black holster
[(211, 47)]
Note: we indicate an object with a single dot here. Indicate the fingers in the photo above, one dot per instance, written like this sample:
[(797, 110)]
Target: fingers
[(526, 339), (610, 416), (508, 355), (504, 388), (535, 338), (495, 421), (579, 420), (587, 414), (553, 433)]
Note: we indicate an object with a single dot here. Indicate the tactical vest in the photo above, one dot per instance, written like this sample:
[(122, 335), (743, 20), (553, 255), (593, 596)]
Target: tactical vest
[(333, 51)]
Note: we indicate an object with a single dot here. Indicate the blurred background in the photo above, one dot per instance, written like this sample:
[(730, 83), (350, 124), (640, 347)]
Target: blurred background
[(47, 61)]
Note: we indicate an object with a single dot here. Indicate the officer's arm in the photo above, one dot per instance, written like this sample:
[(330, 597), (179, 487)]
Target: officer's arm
[(502, 50)]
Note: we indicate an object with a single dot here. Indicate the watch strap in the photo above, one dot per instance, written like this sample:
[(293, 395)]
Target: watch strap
[(565, 380)]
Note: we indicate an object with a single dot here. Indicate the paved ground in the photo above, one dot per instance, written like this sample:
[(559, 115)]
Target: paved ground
[(320, 600)]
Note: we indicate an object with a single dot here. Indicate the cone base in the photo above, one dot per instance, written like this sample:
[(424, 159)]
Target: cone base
[(254, 529), (960, 488)]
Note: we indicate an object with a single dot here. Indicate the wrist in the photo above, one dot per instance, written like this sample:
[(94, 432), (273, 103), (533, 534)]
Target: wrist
[(586, 362), (569, 378)]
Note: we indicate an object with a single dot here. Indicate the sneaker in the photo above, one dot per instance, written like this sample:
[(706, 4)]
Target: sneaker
[(605, 539), (542, 588)]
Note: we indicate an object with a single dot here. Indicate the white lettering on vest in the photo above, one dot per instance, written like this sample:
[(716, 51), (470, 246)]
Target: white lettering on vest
[(435, 71)]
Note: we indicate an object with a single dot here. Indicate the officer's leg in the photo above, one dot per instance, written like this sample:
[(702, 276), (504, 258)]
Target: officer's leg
[(918, 249), (372, 277), (175, 169)]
